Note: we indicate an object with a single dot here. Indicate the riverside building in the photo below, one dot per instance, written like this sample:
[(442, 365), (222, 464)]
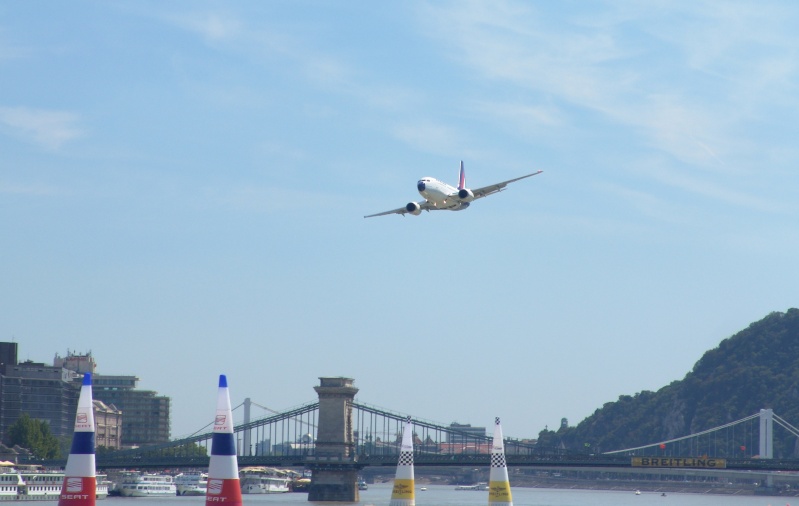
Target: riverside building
[(145, 414), (124, 416)]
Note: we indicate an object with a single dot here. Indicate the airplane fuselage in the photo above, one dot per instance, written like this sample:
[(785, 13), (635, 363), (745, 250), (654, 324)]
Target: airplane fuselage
[(440, 194)]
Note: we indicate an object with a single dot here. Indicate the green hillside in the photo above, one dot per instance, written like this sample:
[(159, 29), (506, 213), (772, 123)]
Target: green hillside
[(756, 368)]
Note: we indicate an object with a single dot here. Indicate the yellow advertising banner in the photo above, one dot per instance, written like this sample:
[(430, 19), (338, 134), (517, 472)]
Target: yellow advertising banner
[(403, 489), (691, 462)]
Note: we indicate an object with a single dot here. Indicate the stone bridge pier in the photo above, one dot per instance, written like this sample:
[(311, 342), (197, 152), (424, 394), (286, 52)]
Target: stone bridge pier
[(334, 465)]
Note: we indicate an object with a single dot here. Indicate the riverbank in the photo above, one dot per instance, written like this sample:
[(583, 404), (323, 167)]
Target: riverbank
[(619, 481)]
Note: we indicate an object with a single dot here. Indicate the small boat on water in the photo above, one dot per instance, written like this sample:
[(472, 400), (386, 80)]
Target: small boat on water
[(478, 486), (264, 480), (136, 484), (192, 483)]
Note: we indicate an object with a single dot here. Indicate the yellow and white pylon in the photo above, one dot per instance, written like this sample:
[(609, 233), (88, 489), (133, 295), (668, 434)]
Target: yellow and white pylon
[(403, 492), (498, 483)]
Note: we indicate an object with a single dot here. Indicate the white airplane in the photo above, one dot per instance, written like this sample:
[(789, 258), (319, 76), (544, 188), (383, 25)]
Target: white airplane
[(438, 195)]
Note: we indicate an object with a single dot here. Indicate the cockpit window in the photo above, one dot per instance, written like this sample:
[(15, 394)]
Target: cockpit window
[(420, 185)]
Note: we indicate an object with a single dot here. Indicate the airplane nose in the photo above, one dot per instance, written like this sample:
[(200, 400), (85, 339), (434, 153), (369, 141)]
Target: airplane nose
[(420, 186)]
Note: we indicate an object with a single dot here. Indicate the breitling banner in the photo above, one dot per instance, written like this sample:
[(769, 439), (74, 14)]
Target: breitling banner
[(691, 462)]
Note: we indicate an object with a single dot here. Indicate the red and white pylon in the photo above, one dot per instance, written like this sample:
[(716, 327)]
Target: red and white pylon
[(223, 470), (80, 479)]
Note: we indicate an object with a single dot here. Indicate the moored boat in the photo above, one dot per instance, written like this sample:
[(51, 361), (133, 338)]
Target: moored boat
[(9, 485), (264, 480), (300, 485), (191, 483), (136, 484), (40, 486)]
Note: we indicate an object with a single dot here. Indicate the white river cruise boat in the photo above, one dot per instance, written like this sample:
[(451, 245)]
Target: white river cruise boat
[(39, 486), (146, 485), (192, 483), (263, 480), (9, 485)]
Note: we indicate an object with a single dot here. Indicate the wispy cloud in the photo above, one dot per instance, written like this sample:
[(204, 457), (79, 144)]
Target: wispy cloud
[(429, 137), (646, 203), (671, 76), (11, 52), (27, 189), (266, 199), (213, 26), (50, 129), (712, 189)]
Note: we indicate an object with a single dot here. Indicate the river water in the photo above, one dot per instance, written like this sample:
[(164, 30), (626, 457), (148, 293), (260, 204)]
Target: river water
[(446, 495)]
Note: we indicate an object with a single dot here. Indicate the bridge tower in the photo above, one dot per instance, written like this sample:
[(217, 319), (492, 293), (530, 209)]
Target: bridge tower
[(334, 465), (247, 446), (766, 434), (767, 440)]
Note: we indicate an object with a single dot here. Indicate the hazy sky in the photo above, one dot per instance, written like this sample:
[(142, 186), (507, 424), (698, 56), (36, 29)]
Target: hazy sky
[(183, 185)]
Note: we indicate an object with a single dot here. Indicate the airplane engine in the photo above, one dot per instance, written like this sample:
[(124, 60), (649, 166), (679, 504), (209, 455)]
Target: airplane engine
[(465, 195), (414, 208)]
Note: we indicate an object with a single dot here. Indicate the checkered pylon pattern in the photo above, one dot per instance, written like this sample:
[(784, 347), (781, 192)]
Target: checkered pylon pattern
[(406, 459), (498, 460)]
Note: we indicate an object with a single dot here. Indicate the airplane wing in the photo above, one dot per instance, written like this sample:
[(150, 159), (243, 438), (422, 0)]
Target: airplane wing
[(485, 191), (423, 206)]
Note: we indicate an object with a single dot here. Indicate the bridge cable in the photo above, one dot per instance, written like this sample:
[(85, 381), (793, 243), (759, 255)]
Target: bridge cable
[(309, 424), (708, 431), (787, 426), (207, 425)]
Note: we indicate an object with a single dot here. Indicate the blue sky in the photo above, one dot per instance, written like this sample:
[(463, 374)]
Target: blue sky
[(183, 185)]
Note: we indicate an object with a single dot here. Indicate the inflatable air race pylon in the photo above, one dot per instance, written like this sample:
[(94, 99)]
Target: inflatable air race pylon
[(80, 479), (498, 484), (223, 470), (403, 492)]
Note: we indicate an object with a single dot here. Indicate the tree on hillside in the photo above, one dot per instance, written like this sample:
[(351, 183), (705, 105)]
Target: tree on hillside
[(34, 435), (757, 368)]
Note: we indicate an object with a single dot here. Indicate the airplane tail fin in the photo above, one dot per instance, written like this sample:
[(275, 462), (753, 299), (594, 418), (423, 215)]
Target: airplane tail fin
[(462, 178)]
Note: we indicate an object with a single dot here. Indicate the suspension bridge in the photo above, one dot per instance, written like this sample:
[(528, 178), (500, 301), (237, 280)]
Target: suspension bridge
[(336, 438), (370, 436)]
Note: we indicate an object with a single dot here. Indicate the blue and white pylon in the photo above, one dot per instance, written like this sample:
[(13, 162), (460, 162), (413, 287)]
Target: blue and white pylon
[(498, 483), (80, 479), (403, 492), (223, 470)]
